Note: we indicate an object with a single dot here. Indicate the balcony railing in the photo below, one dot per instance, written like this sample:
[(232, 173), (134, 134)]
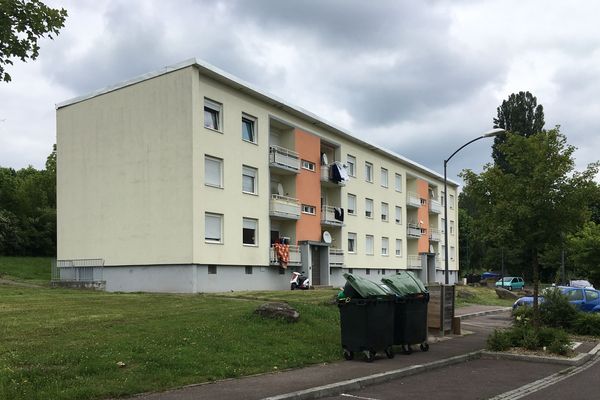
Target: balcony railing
[(336, 257), (435, 206), (435, 235), (283, 158), (414, 231), (284, 207), (295, 258), (413, 200), (414, 262), (328, 216)]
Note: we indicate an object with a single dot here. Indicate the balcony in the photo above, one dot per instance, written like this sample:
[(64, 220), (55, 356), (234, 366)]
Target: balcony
[(435, 235), (336, 257), (295, 257), (414, 262), (435, 206), (283, 207), (327, 179), (328, 216), (414, 231), (413, 200), (285, 160)]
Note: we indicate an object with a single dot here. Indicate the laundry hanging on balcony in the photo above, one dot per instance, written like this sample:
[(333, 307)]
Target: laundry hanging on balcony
[(338, 213), (338, 172), (283, 254)]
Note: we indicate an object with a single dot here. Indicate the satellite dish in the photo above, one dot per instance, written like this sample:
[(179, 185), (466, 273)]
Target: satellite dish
[(327, 237), (280, 189)]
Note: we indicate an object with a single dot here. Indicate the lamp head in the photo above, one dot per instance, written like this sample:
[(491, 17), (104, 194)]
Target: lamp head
[(494, 132)]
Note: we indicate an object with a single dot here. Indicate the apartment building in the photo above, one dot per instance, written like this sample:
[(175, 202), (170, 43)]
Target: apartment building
[(191, 180)]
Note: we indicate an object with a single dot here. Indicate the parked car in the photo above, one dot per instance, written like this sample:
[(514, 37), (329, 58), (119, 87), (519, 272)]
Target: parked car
[(511, 283), (584, 299)]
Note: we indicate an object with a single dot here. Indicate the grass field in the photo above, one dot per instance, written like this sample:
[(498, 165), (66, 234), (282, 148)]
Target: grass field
[(480, 295), (34, 270)]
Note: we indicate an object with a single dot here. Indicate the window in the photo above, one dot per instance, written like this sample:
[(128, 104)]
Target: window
[(398, 183), (443, 252), (249, 175), (368, 208), (212, 114), (369, 245), (308, 165), (212, 269), (213, 171), (398, 247), (398, 215), (351, 163), (351, 204), (248, 270), (574, 295), (248, 128), (384, 177), (452, 227), (213, 228), (443, 225), (591, 295), (385, 210), (368, 172), (383, 272), (443, 198), (307, 209), (385, 244), (350, 270), (451, 201), (367, 271), (452, 252), (249, 229), (351, 242)]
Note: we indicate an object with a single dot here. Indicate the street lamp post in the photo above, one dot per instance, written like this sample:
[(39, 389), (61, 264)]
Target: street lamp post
[(492, 133)]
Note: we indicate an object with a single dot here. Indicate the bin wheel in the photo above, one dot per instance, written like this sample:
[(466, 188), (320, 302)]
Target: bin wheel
[(348, 355), (424, 346), (406, 349), (369, 355), (389, 352)]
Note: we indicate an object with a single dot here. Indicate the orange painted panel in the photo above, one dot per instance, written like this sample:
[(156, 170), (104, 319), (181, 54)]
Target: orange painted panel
[(308, 186), (423, 215)]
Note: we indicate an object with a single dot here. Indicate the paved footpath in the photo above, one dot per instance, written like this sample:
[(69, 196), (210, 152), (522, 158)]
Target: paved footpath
[(276, 384)]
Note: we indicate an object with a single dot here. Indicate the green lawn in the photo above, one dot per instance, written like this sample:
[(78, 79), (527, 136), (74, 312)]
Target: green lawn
[(34, 270), (481, 295), (65, 344)]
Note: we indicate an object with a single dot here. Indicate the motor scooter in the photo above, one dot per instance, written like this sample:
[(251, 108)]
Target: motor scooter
[(299, 281)]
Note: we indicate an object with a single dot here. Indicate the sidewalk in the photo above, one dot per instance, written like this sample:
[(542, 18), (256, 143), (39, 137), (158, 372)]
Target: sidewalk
[(276, 384)]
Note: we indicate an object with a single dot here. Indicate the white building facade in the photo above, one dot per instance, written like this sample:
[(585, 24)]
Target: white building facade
[(190, 180)]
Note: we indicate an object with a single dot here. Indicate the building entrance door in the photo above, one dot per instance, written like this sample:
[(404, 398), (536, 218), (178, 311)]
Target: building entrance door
[(315, 264)]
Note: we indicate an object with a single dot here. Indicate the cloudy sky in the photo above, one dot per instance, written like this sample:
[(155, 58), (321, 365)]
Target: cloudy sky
[(417, 77)]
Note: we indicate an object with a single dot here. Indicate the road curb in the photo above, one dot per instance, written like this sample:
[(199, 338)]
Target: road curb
[(358, 383), (576, 361), (486, 312)]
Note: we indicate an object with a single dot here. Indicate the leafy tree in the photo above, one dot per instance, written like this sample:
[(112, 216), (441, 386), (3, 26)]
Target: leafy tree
[(584, 251), (22, 24), (535, 201), (521, 115)]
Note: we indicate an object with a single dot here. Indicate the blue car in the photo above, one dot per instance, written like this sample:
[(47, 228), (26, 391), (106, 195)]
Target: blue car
[(584, 299)]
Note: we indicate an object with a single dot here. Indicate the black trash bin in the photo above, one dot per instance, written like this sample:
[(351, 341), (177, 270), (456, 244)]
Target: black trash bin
[(410, 311), (367, 319)]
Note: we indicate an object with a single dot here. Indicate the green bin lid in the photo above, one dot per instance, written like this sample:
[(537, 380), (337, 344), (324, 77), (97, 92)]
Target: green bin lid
[(365, 287), (404, 283)]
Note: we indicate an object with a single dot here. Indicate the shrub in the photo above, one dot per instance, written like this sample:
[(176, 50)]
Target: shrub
[(531, 340), (499, 340), (556, 311), (586, 324), (522, 316)]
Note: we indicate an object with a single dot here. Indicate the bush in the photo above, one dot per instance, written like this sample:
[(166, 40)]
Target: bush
[(556, 311), (531, 340), (522, 316), (499, 340), (586, 324)]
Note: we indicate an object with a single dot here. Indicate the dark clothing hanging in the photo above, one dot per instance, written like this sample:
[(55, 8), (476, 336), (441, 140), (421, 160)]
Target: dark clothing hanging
[(338, 213)]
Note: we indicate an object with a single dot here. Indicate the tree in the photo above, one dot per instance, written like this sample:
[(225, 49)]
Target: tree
[(535, 201), (584, 251), (521, 115), (22, 24)]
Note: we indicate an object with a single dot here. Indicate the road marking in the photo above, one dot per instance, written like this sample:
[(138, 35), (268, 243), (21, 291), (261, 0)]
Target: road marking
[(543, 383), (357, 397)]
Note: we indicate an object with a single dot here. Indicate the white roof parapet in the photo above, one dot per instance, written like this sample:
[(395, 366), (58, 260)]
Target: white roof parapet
[(248, 88)]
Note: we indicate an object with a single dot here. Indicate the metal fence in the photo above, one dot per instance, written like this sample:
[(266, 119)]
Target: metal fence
[(83, 270)]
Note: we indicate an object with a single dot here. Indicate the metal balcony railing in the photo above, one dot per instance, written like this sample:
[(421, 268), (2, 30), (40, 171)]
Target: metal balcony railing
[(414, 231), (281, 157), (413, 200), (328, 216), (435, 206), (435, 235), (295, 259), (284, 207)]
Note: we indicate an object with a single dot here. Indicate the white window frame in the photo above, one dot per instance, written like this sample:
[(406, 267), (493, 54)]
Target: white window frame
[(451, 227), (385, 246), (368, 172), (452, 253), (352, 237), (442, 198), (212, 106), (384, 177), (398, 215), (214, 216), (369, 245), (443, 228), (398, 182), (351, 163), (352, 211), (308, 209), (309, 165), (252, 173), (385, 212), (398, 247), (250, 223), (369, 209), (253, 122), (451, 201), (218, 161)]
